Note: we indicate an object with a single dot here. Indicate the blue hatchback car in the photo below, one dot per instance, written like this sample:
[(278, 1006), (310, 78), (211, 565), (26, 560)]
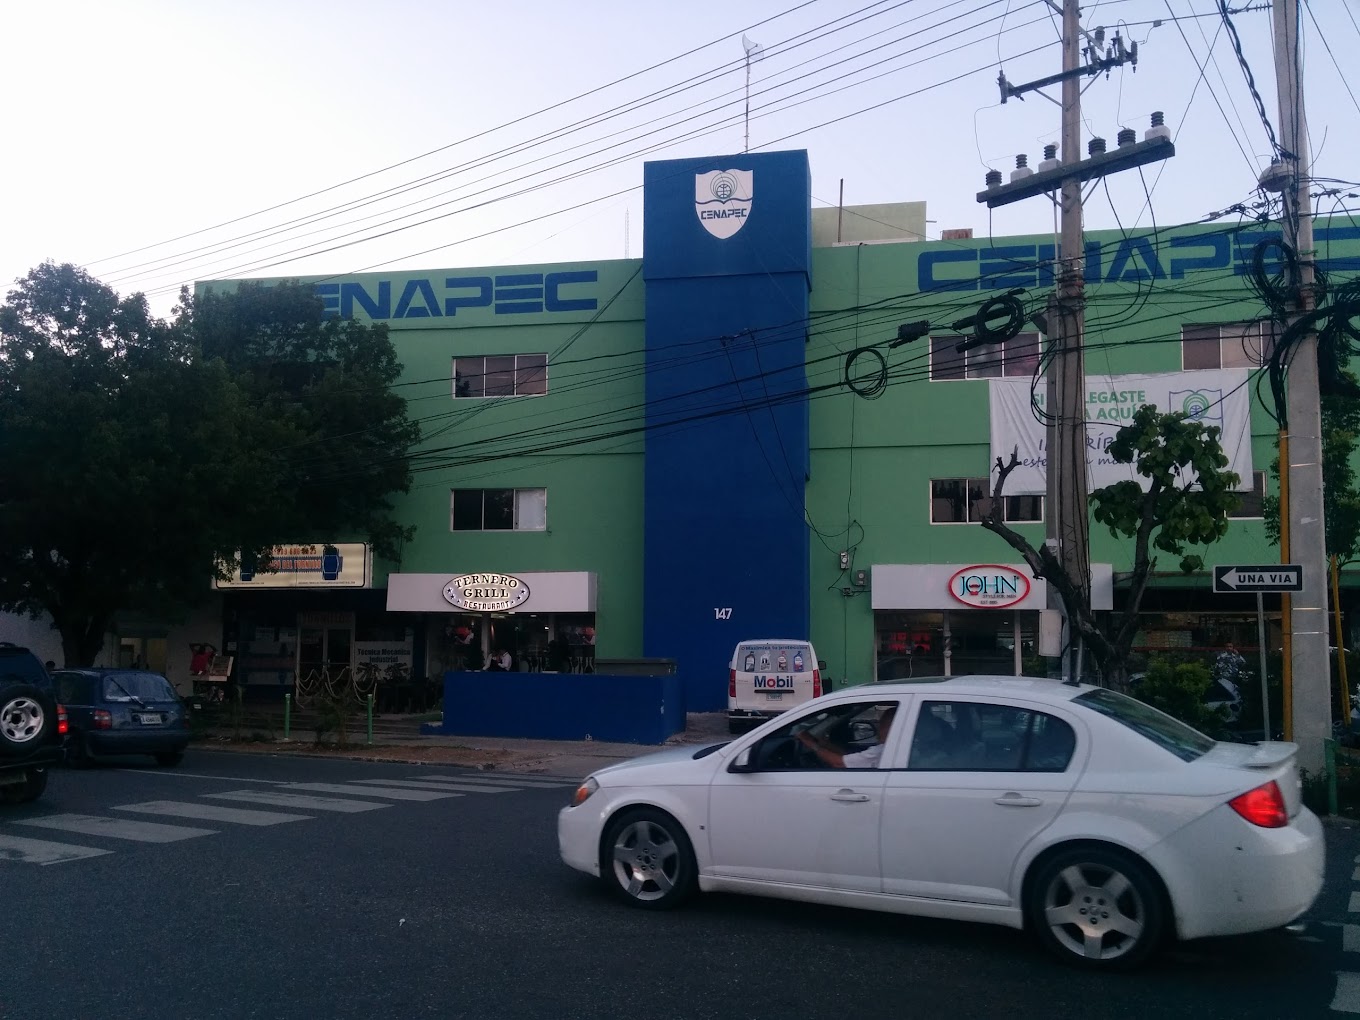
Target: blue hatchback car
[(122, 711)]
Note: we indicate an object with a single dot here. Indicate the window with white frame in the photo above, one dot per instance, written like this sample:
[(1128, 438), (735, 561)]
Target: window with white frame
[(498, 510), (1227, 345), (968, 500), (1018, 356), (500, 375)]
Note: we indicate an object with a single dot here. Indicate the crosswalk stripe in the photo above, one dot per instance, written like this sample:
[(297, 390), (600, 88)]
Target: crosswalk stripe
[(211, 812), (297, 800), (117, 828), (431, 784), (505, 777), (371, 791), (1347, 998), (40, 851)]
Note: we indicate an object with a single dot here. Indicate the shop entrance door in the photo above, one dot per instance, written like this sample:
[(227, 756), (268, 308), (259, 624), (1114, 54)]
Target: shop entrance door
[(325, 647)]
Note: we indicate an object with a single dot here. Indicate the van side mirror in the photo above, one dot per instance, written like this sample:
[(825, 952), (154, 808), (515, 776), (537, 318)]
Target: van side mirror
[(742, 762), (821, 664)]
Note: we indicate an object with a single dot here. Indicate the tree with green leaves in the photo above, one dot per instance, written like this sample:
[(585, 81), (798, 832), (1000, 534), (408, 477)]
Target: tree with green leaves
[(139, 460), (340, 432), (1184, 500)]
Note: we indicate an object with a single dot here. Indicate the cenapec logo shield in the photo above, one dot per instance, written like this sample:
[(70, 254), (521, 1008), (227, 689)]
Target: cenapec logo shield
[(1198, 405), (722, 200)]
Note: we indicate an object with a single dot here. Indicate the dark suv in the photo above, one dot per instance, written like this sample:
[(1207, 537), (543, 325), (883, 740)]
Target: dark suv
[(32, 726)]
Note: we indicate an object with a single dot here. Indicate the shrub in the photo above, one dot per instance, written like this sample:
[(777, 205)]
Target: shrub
[(1179, 690)]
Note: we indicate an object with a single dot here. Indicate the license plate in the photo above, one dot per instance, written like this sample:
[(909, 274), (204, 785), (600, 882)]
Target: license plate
[(149, 720), (774, 695)]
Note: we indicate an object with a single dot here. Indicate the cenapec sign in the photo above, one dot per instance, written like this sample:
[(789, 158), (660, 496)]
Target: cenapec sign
[(989, 586), (1270, 577), (486, 593)]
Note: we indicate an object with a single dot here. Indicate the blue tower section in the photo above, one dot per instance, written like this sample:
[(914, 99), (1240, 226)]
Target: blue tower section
[(728, 253)]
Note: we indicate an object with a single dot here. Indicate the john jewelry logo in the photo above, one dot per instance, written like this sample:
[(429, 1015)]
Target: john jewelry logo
[(1199, 405), (722, 200)]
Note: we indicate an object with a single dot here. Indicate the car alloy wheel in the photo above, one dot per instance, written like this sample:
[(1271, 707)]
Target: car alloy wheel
[(21, 720), (649, 859), (1097, 908)]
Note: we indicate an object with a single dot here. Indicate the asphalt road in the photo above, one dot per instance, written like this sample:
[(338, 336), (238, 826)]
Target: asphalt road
[(458, 907)]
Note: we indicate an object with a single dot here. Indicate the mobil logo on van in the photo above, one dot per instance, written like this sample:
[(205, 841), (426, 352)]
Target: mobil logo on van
[(773, 683)]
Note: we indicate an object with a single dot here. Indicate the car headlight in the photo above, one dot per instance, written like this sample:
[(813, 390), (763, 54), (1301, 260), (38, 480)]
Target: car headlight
[(584, 791)]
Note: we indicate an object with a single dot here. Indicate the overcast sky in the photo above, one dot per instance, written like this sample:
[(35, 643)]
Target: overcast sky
[(141, 126)]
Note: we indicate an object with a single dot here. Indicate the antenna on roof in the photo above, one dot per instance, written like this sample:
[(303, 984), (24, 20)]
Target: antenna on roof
[(754, 51)]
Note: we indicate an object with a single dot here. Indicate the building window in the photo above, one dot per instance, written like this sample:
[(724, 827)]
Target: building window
[(1251, 501), (499, 510), (1227, 345), (1018, 356), (501, 375), (968, 500)]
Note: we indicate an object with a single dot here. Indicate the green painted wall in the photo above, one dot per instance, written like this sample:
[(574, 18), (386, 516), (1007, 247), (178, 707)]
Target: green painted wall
[(872, 459)]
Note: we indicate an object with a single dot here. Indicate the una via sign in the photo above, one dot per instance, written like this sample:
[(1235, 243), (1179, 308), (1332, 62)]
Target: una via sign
[(1269, 577)]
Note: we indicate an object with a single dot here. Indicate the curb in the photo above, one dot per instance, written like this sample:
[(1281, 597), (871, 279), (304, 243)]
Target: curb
[(389, 759)]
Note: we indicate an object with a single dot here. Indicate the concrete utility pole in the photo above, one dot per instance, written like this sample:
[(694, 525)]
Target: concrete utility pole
[(1308, 706), (1068, 491), (1066, 512)]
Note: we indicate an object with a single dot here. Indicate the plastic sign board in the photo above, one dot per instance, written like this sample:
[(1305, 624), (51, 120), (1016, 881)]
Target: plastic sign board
[(1267, 577), (989, 586), (486, 593)]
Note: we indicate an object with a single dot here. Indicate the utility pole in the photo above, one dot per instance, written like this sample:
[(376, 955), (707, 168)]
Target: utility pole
[(1066, 482), (1308, 693)]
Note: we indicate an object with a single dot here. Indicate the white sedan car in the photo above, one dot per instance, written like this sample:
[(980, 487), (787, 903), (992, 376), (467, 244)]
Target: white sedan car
[(1098, 823)]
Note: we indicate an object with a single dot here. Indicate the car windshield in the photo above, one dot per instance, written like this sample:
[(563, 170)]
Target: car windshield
[(1185, 742), (137, 687)]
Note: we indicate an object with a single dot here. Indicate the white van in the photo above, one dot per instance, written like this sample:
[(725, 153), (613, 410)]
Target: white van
[(769, 676)]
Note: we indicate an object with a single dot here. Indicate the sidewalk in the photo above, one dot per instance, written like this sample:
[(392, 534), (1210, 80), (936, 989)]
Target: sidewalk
[(398, 739)]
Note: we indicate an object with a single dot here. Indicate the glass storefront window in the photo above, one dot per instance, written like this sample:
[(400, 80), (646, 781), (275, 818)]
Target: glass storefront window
[(918, 644)]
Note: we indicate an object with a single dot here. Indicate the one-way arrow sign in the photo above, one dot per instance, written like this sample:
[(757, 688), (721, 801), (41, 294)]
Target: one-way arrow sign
[(1268, 577)]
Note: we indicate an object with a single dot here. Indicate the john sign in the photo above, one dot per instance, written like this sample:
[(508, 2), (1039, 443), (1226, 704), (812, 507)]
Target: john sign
[(486, 593), (989, 586)]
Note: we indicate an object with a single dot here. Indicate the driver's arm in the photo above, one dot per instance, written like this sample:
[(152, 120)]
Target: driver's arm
[(823, 751)]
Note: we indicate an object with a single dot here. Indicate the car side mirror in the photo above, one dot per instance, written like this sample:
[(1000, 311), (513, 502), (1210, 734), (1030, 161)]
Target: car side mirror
[(742, 762), (821, 664)]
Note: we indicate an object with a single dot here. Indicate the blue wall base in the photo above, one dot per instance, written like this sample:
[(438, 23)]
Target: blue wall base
[(562, 706)]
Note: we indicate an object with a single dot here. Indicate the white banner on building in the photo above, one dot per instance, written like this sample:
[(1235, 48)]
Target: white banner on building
[(1220, 398)]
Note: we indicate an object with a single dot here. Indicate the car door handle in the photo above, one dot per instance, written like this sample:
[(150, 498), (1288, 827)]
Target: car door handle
[(850, 797), (1015, 800)]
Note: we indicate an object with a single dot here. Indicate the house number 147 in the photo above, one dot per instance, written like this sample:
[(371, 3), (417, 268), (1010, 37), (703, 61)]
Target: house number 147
[(723, 614)]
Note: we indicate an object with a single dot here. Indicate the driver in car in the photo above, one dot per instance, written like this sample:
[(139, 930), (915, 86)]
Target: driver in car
[(837, 758)]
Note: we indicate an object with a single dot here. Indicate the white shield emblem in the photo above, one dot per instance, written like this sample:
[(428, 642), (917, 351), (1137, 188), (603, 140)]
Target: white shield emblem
[(722, 200)]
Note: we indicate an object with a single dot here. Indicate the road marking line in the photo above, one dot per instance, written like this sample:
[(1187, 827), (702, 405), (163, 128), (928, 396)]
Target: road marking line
[(196, 775), (211, 812), (1354, 907), (498, 784), (297, 800), (1347, 998), (1350, 938), (504, 777), (369, 791), (40, 851), (430, 784), (117, 828)]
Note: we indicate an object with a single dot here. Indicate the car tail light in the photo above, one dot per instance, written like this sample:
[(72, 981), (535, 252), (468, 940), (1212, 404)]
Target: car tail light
[(816, 683), (102, 719), (731, 683), (63, 725), (1263, 806)]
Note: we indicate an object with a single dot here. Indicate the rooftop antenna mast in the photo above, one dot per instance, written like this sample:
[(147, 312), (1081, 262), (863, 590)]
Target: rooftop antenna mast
[(754, 51)]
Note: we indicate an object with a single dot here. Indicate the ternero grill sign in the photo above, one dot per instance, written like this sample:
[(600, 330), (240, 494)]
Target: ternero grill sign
[(486, 593), (989, 586)]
